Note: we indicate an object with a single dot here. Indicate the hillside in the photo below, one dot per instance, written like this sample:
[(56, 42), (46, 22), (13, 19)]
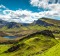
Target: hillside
[(42, 23), (21, 29), (33, 44), (51, 21), (54, 51), (35, 39)]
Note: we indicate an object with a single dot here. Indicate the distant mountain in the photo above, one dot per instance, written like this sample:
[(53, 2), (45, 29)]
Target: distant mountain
[(51, 21), (41, 22), (47, 22), (9, 24), (13, 24), (25, 24)]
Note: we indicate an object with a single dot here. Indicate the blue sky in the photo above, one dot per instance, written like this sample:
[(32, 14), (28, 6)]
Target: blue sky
[(19, 4), (26, 11)]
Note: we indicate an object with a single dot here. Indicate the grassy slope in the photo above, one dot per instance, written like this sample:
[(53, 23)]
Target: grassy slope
[(54, 51), (32, 46), (4, 47), (51, 21)]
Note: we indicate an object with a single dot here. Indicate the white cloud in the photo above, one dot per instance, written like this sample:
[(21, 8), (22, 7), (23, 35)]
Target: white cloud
[(22, 16), (46, 4), (2, 6), (52, 6), (39, 3), (25, 16)]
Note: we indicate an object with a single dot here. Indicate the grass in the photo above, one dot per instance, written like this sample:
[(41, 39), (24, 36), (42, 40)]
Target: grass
[(32, 46), (37, 45), (54, 51), (4, 48), (51, 21)]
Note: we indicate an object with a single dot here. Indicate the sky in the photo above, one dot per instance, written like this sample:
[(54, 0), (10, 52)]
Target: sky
[(26, 11)]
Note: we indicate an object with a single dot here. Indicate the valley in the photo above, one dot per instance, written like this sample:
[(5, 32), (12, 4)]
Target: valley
[(39, 38)]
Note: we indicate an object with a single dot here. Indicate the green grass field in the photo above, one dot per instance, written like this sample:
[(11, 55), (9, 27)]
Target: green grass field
[(30, 46)]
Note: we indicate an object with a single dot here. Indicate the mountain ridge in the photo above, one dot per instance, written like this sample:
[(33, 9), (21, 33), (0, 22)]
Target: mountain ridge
[(42, 22)]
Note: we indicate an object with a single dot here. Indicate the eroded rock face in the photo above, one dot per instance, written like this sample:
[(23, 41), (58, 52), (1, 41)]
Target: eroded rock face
[(44, 32), (13, 48), (47, 33), (40, 22)]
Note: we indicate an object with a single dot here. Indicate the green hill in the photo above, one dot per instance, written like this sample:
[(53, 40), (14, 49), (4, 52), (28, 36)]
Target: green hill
[(32, 40), (51, 21), (30, 46), (54, 51)]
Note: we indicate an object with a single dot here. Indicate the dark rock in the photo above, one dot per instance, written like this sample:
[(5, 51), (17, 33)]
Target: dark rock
[(44, 32), (43, 23), (47, 33), (13, 48)]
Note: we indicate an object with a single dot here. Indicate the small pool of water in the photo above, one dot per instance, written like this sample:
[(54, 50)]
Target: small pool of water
[(10, 37)]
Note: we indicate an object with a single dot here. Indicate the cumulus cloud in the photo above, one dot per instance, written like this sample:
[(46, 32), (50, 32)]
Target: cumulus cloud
[(26, 16), (53, 7), (21, 16), (46, 4), (39, 3)]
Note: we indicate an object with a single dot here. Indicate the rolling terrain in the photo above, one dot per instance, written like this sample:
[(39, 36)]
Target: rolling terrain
[(39, 38), (32, 44), (54, 51)]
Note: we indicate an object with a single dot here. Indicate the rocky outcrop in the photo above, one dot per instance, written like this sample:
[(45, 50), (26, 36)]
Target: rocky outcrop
[(44, 32), (43, 23), (13, 48), (47, 33)]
